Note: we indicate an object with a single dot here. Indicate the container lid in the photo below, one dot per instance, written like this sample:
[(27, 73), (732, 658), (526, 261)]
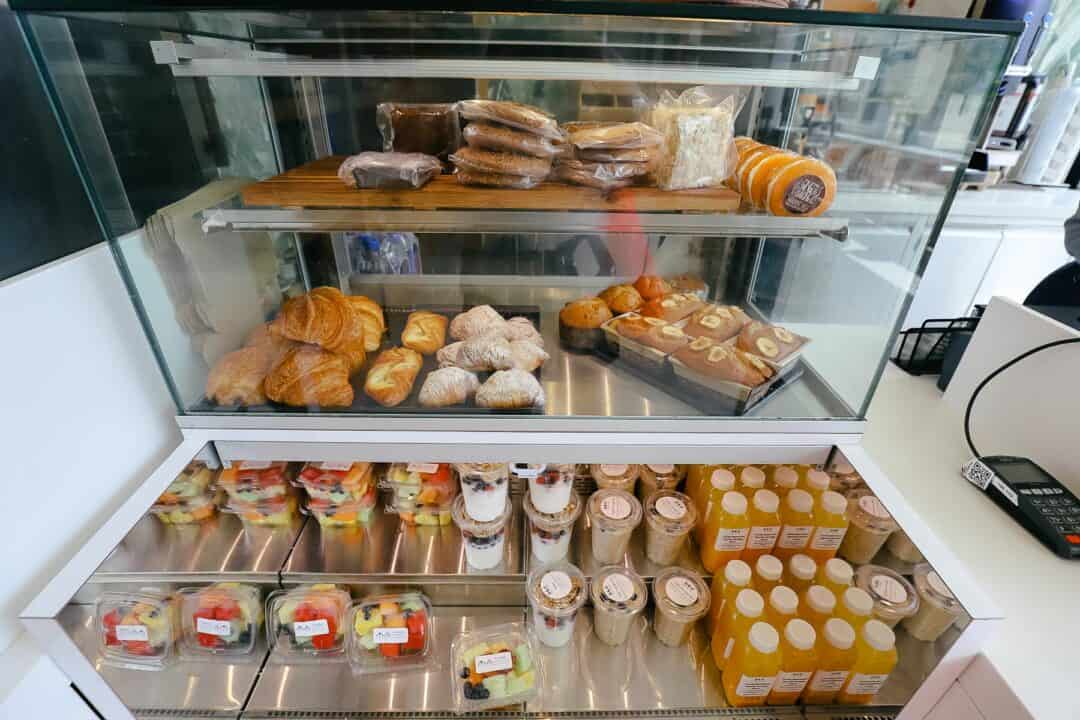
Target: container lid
[(494, 666), (749, 603), (188, 504), (752, 477), (766, 501), (330, 474), (252, 472), (838, 571), (307, 622), (800, 634), (553, 521), (833, 502), (136, 629), (784, 600), (681, 593), (879, 636), (221, 619), (263, 508), (786, 477), (802, 566), (624, 473), (619, 589), (318, 506), (722, 479), (764, 638), (192, 480), (738, 573), (487, 471), (858, 601), (670, 512), (613, 509), (769, 568), (663, 469), (476, 527), (531, 470), (557, 590), (894, 597), (932, 589), (866, 511), (800, 501), (734, 503), (389, 632), (817, 480), (839, 633), (820, 599)]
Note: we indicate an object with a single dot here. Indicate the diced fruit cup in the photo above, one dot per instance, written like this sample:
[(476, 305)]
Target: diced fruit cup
[(279, 512), (422, 493), (389, 632), (137, 630), (219, 621), (192, 482), (184, 512), (307, 624), (494, 667), (336, 482), (252, 482), (354, 513)]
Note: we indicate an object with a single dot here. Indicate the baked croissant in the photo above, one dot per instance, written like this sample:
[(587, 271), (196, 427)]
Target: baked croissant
[(521, 328), (510, 389), (391, 377), (372, 317), (325, 318), (447, 356), (237, 378), (527, 356), (425, 332), (448, 386), (273, 345), (310, 376), (480, 320)]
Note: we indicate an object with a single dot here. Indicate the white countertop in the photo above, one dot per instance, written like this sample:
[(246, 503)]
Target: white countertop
[(918, 442)]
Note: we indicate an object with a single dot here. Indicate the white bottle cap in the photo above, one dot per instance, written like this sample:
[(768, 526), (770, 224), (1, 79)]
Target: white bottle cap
[(833, 502), (748, 603), (858, 601), (820, 599), (879, 636), (800, 501), (839, 633), (737, 573), (769, 568), (766, 501), (763, 638), (722, 480), (783, 600), (734, 503), (838, 571), (785, 477), (800, 634), (752, 477), (802, 566), (817, 480)]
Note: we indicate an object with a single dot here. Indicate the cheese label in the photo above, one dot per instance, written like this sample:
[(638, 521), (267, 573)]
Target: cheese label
[(390, 636), (805, 194), (311, 628), (132, 633), (207, 626), (496, 662)]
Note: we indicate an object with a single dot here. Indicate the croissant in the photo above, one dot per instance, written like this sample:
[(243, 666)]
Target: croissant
[(425, 332), (447, 356), (310, 376), (324, 317), (521, 328), (480, 320), (527, 356), (237, 378), (391, 377), (510, 389), (448, 386), (372, 317), (485, 353)]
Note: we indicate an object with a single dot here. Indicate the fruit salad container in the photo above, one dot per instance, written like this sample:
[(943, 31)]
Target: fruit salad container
[(353, 513), (485, 487), (278, 512), (252, 482), (307, 624), (493, 667), (336, 482), (192, 482), (550, 485), (422, 493), (389, 632), (137, 630), (188, 511), (219, 621)]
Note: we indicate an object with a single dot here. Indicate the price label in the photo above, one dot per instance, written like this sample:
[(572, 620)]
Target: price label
[(888, 588), (390, 636), (132, 633), (255, 464), (422, 468), (615, 507), (496, 662), (311, 628), (671, 508), (618, 588), (556, 584), (339, 466), (207, 626), (682, 591)]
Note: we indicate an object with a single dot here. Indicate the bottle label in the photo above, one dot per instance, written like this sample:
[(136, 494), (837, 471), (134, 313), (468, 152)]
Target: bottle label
[(615, 507), (753, 686), (339, 466), (681, 591), (827, 538), (390, 636), (888, 588), (618, 588), (496, 662), (865, 684), (791, 682), (422, 468), (311, 628), (206, 626), (671, 508), (794, 536), (556, 584), (762, 537), (731, 539), (828, 680), (132, 633)]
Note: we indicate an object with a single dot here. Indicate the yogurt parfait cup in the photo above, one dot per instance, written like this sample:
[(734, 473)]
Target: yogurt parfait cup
[(485, 487), (681, 598), (938, 607), (621, 477), (549, 533), (556, 594), (669, 518), (613, 515), (894, 597), (618, 597), (869, 526), (485, 541), (550, 485), (658, 477)]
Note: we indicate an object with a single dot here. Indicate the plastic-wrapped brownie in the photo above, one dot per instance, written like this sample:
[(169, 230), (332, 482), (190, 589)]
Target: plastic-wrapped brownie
[(388, 170), (429, 128)]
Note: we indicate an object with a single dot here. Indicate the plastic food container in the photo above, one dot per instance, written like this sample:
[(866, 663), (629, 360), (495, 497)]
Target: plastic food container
[(556, 593), (843, 478), (485, 487), (423, 493), (550, 486), (278, 512), (894, 597), (307, 624), (620, 477), (389, 632), (618, 597), (869, 526), (251, 481), (494, 667), (901, 547), (681, 598), (938, 607), (485, 541), (336, 482), (221, 620), (550, 533), (669, 518), (192, 482), (613, 515), (191, 510), (136, 630), (353, 513), (658, 477)]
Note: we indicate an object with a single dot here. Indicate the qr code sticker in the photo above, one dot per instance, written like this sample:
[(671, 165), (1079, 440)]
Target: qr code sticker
[(977, 473)]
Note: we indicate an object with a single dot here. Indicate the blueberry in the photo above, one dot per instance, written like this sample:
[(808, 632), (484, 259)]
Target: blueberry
[(482, 693), (465, 674), (470, 691)]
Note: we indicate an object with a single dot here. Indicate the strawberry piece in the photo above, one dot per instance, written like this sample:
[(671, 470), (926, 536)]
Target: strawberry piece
[(417, 625)]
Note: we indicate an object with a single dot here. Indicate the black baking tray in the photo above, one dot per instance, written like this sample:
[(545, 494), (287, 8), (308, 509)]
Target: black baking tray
[(396, 315)]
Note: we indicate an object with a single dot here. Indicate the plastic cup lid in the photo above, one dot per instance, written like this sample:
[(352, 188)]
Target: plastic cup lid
[(766, 501), (769, 567), (817, 479), (786, 477), (800, 634), (738, 573), (615, 472), (802, 566), (752, 477), (858, 601), (734, 503), (558, 590), (612, 509), (553, 521), (764, 638), (820, 599), (619, 589), (784, 600), (839, 633), (749, 603), (800, 501), (879, 636), (722, 479), (671, 512), (476, 527), (485, 470), (867, 511), (663, 469), (933, 589), (681, 593), (893, 595), (833, 502), (838, 571)]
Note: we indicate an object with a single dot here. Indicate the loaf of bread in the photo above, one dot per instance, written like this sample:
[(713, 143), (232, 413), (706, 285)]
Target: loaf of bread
[(516, 115), (768, 341), (447, 386), (309, 376), (651, 286), (585, 313), (687, 283), (425, 332), (634, 326), (723, 362), (391, 377), (622, 299), (665, 338), (502, 163), (489, 136), (717, 322), (672, 307), (509, 389)]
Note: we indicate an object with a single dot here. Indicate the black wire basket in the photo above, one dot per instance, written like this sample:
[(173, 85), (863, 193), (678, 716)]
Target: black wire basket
[(921, 350)]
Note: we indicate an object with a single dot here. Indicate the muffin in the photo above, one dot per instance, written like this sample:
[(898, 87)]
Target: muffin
[(651, 286), (768, 341), (580, 321), (717, 322), (723, 362), (622, 299), (672, 307)]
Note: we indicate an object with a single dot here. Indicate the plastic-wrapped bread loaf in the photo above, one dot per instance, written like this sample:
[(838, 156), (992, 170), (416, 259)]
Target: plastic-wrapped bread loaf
[(431, 128), (489, 136), (573, 173), (485, 161), (616, 137), (647, 155), (698, 137), (516, 115), (486, 179)]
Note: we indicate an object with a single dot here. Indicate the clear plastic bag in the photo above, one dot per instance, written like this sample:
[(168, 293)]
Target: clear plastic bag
[(648, 155), (487, 179), (516, 115), (617, 136), (484, 161), (388, 170), (489, 136), (429, 128), (602, 176), (698, 129)]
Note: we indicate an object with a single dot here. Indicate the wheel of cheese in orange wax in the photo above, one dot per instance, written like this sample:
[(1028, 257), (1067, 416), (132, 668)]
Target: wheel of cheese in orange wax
[(805, 189)]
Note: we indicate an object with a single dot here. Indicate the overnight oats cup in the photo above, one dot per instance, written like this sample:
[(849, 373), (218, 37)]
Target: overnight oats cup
[(618, 597), (484, 541), (556, 593), (550, 485), (613, 515), (485, 487), (621, 477), (681, 598), (657, 477), (549, 533), (669, 518)]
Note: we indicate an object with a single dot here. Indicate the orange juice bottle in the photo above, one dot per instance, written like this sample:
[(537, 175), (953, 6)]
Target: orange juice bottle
[(798, 662), (751, 479), (830, 525), (782, 606), (720, 481), (725, 532), (782, 480), (876, 659), (764, 525), (856, 606), (796, 524), (725, 586), (768, 572), (734, 623), (836, 656), (817, 606), (800, 573), (835, 574), (697, 481), (750, 675), (815, 482)]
